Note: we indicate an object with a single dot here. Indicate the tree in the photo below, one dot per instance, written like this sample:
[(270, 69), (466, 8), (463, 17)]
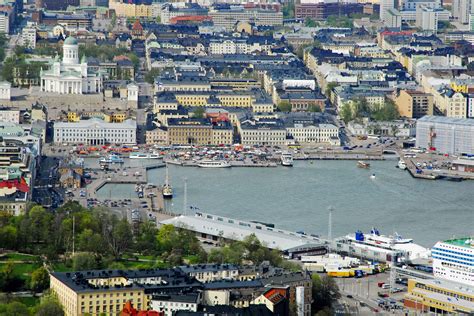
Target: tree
[(145, 241), (151, 75), (314, 108), (39, 280), (84, 261), (90, 241), (325, 292), (329, 87), (289, 10), (345, 113), (49, 306), (387, 112), (8, 237), (284, 106), (199, 113), (15, 309), (309, 22)]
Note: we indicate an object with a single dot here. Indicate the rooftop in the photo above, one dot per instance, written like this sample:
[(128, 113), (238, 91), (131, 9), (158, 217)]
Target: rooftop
[(463, 242), (447, 120)]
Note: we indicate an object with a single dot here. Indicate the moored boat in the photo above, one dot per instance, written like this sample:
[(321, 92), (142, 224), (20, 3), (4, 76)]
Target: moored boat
[(213, 164), (167, 188), (286, 159), (402, 165), (363, 164), (139, 155), (110, 159)]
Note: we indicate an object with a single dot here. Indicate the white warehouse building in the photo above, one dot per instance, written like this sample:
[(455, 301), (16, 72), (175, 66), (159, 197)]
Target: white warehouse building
[(95, 132), (447, 135)]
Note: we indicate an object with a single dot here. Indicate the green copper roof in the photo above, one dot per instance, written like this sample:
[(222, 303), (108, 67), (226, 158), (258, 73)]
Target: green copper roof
[(70, 41)]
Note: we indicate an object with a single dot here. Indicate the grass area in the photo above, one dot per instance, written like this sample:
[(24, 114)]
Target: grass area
[(29, 301), (22, 270), (18, 257)]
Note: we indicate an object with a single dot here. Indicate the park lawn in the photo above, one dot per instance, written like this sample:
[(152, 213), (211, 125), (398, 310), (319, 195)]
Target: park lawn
[(18, 257), (22, 270)]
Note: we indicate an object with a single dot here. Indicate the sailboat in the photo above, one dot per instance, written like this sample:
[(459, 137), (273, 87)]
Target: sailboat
[(167, 189)]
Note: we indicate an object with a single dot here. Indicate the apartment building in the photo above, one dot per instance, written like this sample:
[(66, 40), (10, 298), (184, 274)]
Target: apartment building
[(414, 104), (10, 115)]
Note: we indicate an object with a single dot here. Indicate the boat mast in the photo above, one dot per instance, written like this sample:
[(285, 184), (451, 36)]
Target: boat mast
[(167, 176), (185, 201)]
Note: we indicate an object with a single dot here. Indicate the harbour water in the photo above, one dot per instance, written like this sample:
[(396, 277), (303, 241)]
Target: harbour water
[(298, 198)]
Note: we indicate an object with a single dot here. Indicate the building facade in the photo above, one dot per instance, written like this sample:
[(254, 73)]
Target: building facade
[(414, 104), (95, 132)]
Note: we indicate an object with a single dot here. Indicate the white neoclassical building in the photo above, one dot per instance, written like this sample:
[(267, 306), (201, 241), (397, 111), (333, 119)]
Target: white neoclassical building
[(70, 76), (95, 132)]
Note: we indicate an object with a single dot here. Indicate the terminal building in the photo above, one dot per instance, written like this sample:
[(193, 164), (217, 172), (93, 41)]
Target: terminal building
[(445, 134)]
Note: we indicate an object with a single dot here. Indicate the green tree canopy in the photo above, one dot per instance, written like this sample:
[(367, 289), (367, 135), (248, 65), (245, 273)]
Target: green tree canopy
[(39, 280)]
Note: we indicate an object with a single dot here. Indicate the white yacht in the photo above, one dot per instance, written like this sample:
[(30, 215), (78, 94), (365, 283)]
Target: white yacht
[(286, 159), (167, 188), (402, 164), (213, 164), (138, 155)]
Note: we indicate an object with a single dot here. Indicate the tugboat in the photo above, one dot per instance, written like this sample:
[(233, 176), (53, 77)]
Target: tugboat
[(363, 164), (167, 189)]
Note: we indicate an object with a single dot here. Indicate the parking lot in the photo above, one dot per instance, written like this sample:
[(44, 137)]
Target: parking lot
[(372, 293)]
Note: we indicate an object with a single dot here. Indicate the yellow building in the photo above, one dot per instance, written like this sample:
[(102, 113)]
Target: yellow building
[(158, 136), (98, 292), (199, 132), (414, 104), (456, 104), (130, 10), (439, 296), (115, 117), (95, 295), (190, 131)]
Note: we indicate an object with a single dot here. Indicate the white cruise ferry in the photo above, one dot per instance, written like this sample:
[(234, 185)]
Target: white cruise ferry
[(213, 164), (412, 253), (453, 260), (286, 159)]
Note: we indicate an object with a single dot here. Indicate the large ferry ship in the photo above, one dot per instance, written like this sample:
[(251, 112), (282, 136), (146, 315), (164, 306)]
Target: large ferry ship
[(407, 250), (213, 164), (452, 260)]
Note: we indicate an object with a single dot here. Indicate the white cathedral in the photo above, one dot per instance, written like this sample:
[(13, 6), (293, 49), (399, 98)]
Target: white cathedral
[(70, 76)]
